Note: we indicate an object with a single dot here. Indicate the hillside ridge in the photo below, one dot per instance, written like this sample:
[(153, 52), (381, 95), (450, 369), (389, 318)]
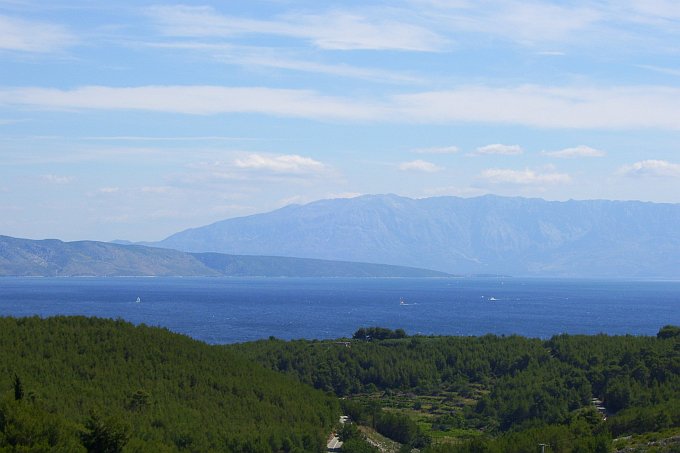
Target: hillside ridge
[(483, 235), (54, 258)]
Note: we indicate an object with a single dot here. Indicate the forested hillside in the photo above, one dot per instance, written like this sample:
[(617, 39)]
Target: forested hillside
[(76, 384), (490, 393), (54, 258), (84, 384)]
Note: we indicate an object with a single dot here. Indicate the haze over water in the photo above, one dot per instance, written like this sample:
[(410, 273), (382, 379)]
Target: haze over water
[(228, 310)]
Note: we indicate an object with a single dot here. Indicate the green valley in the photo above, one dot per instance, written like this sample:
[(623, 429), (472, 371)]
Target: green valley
[(494, 393)]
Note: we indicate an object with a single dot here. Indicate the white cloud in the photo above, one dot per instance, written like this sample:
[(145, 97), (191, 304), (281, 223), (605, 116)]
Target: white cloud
[(340, 70), (523, 177), (108, 190), (343, 31), (654, 10), (344, 195), (335, 30), (156, 189), (281, 59), (537, 22), (530, 105), (291, 164), (194, 100), (497, 148), (418, 25), (455, 191), (420, 165), (295, 199), (57, 179), (437, 150), (652, 168), (547, 106), (578, 151), (524, 22), (617, 25), (245, 167), (142, 138), (26, 36), (660, 69)]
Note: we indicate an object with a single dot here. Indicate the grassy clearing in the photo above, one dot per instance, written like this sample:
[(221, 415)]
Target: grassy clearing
[(439, 415)]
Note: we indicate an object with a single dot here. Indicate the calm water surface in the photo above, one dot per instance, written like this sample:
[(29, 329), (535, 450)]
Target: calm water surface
[(228, 310)]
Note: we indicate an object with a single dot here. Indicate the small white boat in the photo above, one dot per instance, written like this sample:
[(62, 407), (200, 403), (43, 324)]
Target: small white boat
[(138, 300), (402, 301)]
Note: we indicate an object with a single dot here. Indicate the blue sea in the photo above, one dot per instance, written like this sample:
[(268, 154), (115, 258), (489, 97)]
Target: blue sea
[(230, 310)]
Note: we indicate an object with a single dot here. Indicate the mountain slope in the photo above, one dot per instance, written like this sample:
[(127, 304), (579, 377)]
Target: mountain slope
[(24, 257), (166, 391), (486, 234), (52, 257)]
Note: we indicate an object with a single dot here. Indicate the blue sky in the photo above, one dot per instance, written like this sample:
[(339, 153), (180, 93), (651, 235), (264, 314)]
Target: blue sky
[(136, 119)]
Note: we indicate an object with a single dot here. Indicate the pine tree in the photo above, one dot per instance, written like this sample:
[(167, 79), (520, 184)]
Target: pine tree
[(18, 388)]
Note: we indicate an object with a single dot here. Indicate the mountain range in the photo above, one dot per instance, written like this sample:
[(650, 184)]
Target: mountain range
[(481, 235), (51, 257)]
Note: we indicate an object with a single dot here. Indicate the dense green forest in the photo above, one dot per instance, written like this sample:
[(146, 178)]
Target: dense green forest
[(84, 384), (492, 393)]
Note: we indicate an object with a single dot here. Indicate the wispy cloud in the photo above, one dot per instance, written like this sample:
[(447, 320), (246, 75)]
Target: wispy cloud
[(538, 22), (437, 150), (433, 26), (652, 168), (343, 195), (577, 151), (524, 22), (308, 198), (57, 179), (335, 30), (339, 70), (295, 199), (194, 100), (656, 11), (497, 148), (529, 105), (420, 165), (547, 106), (618, 25), (264, 57), (5, 122), (289, 163), (28, 36), (523, 177), (660, 69), (246, 166), (145, 138), (455, 191)]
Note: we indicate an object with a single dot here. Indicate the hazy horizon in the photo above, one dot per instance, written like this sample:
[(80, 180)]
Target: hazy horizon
[(190, 227)]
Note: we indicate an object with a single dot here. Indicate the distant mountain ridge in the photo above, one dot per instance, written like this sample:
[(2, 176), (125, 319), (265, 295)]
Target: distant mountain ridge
[(51, 257), (488, 234)]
